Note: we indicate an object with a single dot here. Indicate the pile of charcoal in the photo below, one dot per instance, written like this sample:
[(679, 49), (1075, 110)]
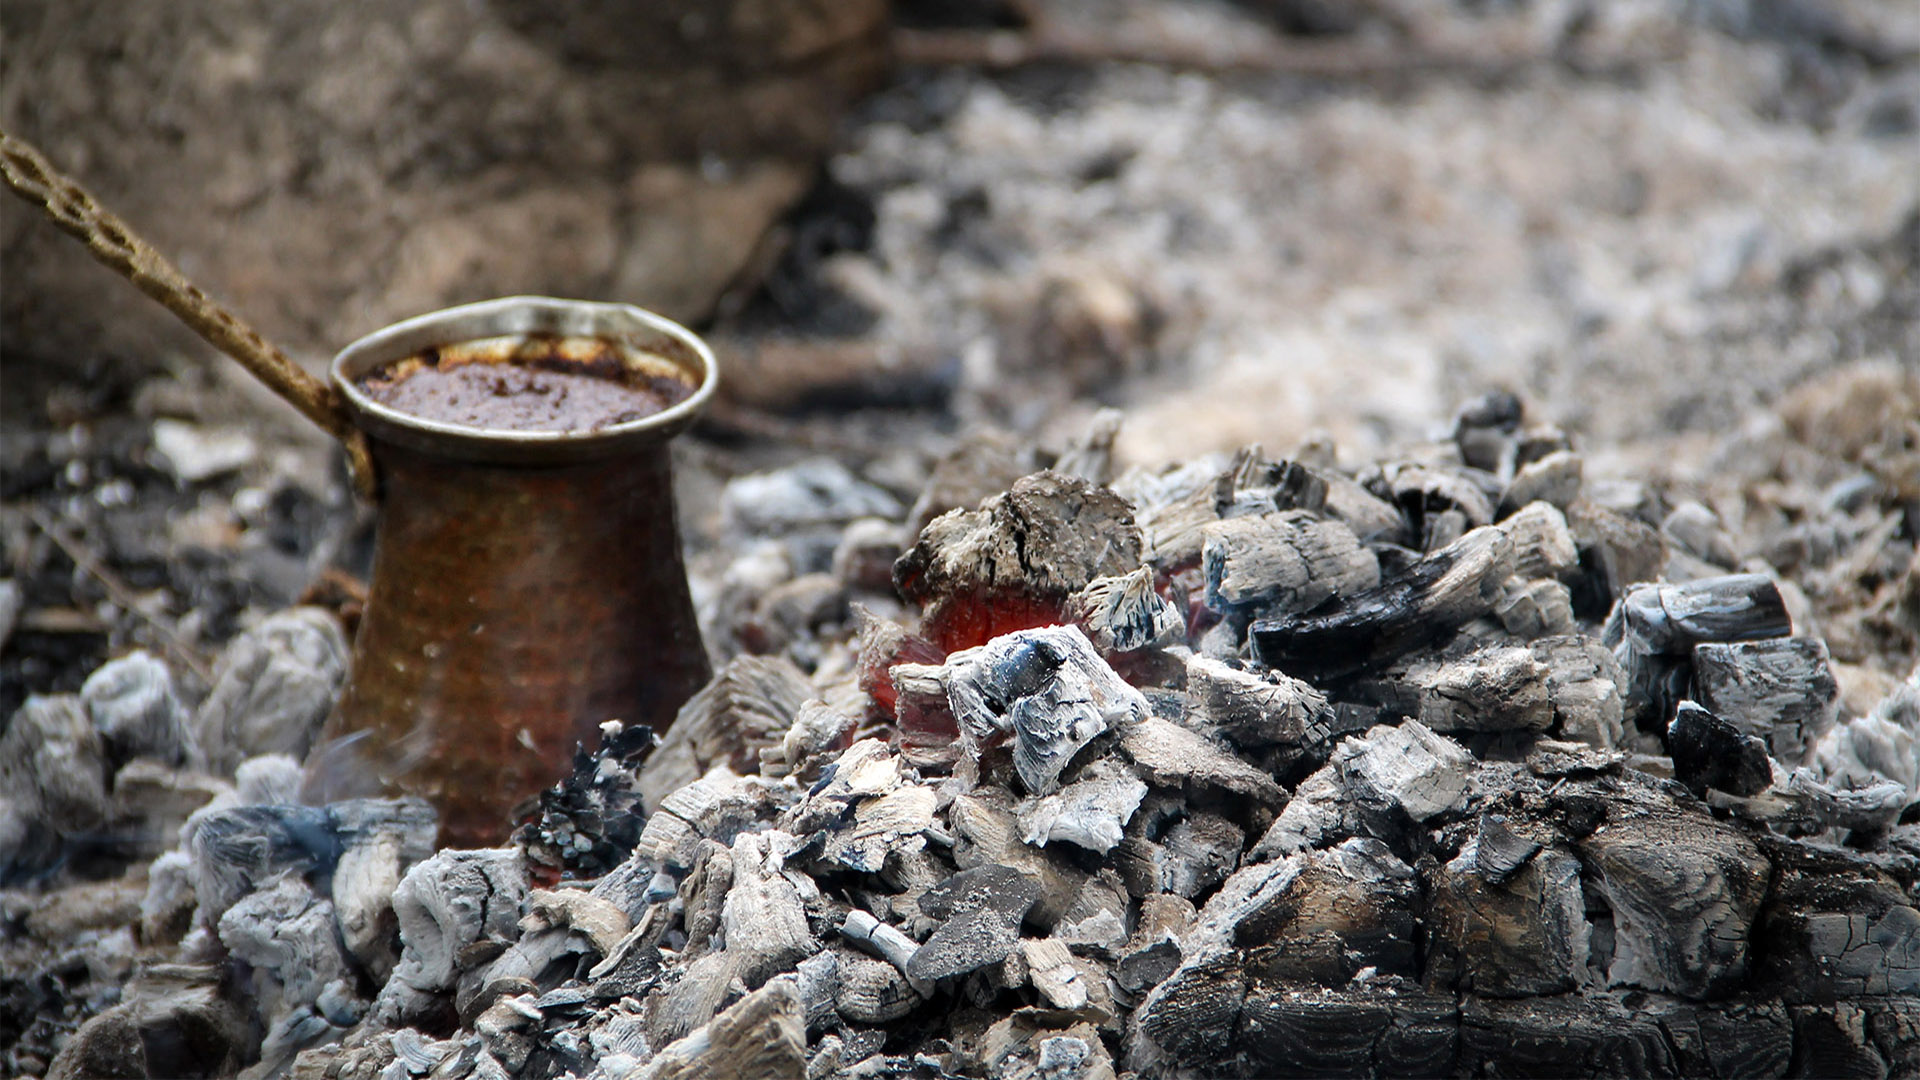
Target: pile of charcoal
[(1457, 765)]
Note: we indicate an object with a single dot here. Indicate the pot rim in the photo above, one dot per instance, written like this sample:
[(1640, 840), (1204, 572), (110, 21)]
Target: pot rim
[(633, 327)]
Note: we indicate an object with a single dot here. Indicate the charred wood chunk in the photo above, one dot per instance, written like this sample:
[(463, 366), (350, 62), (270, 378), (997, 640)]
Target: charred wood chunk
[(1840, 1040), (1684, 891), (1554, 479), (1535, 609), (1709, 752), (137, 711), (1195, 854), (1096, 923), (1290, 1030), (747, 707), (1282, 563), (1781, 690), (1836, 926), (380, 840), (763, 919), (1046, 687), (1615, 552), (1012, 564), (285, 935), (1428, 602), (1422, 773), (54, 772), (1174, 505), (1321, 916), (1091, 812), (883, 644), (988, 833), (1543, 543), (1194, 1013), (236, 851), (929, 736), (863, 808), (1494, 688), (1654, 628), (1126, 614), (763, 1035), (1565, 1035), (1153, 952), (1258, 709), (273, 688), (1484, 428), (1583, 681), (1170, 756), (1741, 1037), (869, 991), (981, 910), (1436, 500), (454, 909), (1506, 926), (718, 806)]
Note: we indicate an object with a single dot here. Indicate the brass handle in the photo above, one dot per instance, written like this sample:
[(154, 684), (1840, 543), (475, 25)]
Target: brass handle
[(112, 242)]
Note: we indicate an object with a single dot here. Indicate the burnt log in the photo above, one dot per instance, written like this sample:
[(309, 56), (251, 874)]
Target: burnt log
[(1282, 563), (1291, 1030), (748, 707), (1494, 688), (1507, 920), (1835, 927), (1428, 602)]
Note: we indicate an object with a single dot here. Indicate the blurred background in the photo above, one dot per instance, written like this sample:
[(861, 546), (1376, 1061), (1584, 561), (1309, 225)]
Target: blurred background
[(927, 226)]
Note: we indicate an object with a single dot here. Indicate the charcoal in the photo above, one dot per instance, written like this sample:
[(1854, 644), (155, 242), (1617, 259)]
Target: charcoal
[(1194, 854), (749, 705), (133, 703), (1697, 531), (1259, 709), (1444, 589), (863, 810), (450, 909), (869, 991), (718, 806), (1544, 547), (980, 911), (1171, 756), (380, 840), (1535, 609), (1153, 952), (865, 555), (1012, 564), (1780, 690), (1091, 812), (974, 470), (1881, 747), (1709, 752), (273, 688), (1615, 552), (53, 772), (1126, 614), (1282, 563), (1583, 682), (1440, 504), (238, 850), (1654, 628), (808, 495), (1096, 924), (1554, 479), (1484, 427), (1684, 890), (1496, 688), (1175, 504), (989, 833), (1836, 927), (1090, 455), (285, 935), (763, 1035), (1049, 689), (1519, 931)]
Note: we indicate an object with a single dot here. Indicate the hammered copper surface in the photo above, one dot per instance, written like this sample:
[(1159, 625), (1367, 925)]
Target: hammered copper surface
[(527, 587)]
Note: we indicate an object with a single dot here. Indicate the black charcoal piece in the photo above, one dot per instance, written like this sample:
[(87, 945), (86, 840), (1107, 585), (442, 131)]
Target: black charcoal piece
[(1781, 690), (1709, 752), (1459, 582), (981, 909), (1654, 628)]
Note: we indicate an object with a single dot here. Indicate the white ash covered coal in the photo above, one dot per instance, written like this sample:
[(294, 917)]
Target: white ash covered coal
[(1242, 767)]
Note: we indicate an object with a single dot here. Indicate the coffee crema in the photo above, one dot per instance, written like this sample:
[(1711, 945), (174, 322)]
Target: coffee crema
[(544, 383)]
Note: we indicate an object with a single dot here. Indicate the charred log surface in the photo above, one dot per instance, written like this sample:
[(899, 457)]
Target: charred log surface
[(1013, 563), (1428, 602), (1709, 752), (1781, 690), (1654, 628)]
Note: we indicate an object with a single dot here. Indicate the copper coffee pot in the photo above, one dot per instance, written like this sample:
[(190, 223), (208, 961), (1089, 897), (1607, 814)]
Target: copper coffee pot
[(527, 585)]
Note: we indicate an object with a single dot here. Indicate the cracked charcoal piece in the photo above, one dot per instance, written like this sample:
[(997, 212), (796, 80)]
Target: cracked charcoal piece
[(1282, 563), (1171, 756), (981, 910), (1521, 933), (1049, 689), (1709, 752), (1654, 628), (1494, 688), (1012, 564), (1554, 479), (1124, 614), (747, 707), (1781, 690), (1091, 812), (1430, 600)]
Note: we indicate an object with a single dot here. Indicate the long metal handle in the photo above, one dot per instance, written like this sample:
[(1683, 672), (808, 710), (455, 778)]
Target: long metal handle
[(111, 241)]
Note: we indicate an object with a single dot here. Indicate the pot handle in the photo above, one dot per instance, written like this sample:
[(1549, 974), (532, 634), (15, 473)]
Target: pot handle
[(112, 242)]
